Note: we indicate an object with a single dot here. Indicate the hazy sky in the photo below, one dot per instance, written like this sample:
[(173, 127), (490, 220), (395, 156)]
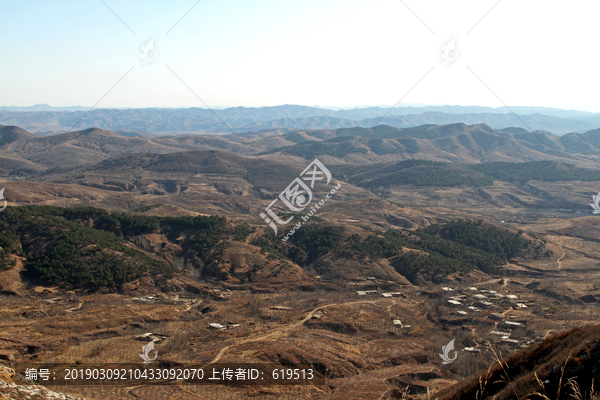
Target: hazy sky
[(312, 52)]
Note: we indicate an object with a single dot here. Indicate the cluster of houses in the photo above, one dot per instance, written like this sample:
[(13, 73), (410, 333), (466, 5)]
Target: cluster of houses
[(378, 293), (508, 331), (475, 300), (483, 298), (176, 298)]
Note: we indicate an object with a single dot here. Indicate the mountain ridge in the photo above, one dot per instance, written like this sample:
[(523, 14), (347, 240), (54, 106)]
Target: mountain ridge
[(22, 152), (152, 121)]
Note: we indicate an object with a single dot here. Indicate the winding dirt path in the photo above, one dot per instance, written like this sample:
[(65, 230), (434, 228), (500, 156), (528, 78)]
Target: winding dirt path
[(560, 259), (389, 307), (79, 305), (189, 307), (131, 390), (281, 331)]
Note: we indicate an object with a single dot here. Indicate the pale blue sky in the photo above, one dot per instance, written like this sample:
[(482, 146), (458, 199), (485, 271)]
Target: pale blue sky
[(313, 52)]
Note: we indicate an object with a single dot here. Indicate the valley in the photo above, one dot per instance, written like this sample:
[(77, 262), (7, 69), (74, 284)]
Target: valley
[(107, 238), (299, 200)]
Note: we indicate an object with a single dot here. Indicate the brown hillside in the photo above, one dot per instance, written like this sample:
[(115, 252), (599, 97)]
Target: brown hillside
[(552, 368)]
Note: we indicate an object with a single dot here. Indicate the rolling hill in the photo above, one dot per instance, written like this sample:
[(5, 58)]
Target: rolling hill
[(90, 248), (451, 143), (22, 153)]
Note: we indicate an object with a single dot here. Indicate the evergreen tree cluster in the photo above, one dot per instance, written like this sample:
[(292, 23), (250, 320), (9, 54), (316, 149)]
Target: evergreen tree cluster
[(458, 246), (336, 147), (85, 247), (308, 243), (429, 253), (59, 251), (9, 245), (432, 173), (547, 171)]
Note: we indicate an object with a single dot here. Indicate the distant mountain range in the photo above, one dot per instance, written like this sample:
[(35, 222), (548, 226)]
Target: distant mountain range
[(23, 153), (44, 107), (151, 122), (216, 175), (458, 143)]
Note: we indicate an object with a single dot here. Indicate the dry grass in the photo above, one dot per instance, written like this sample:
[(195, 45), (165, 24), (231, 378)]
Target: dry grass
[(352, 335), (551, 370)]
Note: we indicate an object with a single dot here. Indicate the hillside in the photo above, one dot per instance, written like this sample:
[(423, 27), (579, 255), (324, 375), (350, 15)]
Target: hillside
[(450, 143), (431, 173), (299, 302), (69, 254), (171, 243), (88, 248), (564, 366), (22, 153), (218, 182), (75, 148), (9, 134)]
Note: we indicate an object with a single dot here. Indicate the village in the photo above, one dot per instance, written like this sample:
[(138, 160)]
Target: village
[(506, 313), (501, 312)]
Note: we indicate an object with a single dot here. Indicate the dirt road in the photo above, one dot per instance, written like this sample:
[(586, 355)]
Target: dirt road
[(284, 329)]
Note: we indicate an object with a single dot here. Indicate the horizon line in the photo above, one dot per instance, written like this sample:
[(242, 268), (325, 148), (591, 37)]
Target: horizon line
[(331, 108)]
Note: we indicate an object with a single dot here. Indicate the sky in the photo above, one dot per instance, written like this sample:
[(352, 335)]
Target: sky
[(337, 53)]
